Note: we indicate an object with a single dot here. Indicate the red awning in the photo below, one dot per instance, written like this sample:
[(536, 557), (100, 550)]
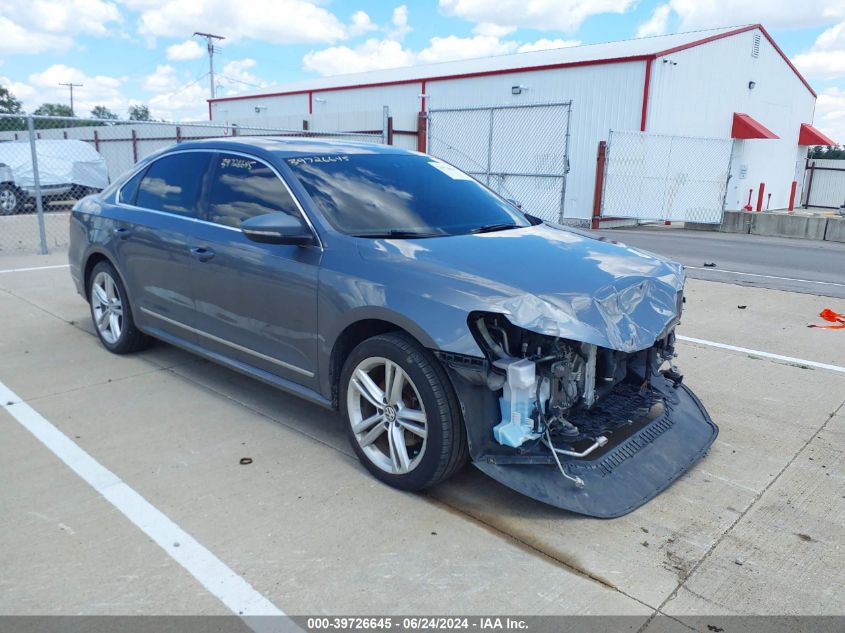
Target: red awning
[(811, 136), (747, 127)]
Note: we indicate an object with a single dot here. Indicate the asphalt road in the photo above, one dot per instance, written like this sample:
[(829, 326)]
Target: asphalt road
[(805, 266)]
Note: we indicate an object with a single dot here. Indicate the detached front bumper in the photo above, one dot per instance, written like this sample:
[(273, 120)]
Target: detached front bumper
[(642, 458)]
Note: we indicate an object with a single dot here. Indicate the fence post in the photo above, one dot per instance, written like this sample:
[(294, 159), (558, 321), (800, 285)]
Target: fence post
[(390, 130), (96, 141), (39, 202), (385, 124), (134, 146), (178, 134), (809, 185), (422, 131), (601, 157)]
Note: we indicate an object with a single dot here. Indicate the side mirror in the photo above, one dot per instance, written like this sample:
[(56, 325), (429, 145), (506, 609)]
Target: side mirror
[(277, 228)]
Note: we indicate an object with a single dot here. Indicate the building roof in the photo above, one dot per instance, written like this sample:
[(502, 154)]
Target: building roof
[(588, 54)]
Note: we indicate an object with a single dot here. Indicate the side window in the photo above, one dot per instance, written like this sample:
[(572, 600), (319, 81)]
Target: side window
[(173, 183), (242, 188), (129, 191)]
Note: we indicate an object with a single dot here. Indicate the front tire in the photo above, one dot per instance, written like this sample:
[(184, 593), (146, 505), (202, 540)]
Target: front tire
[(111, 312), (404, 422)]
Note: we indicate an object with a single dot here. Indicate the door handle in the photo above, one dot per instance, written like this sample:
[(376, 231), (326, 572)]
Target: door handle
[(121, 232), (201, 253)]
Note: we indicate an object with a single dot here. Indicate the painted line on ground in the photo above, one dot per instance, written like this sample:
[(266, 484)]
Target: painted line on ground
[(221, 581), (754, 352), (26, 270), (736, 272)]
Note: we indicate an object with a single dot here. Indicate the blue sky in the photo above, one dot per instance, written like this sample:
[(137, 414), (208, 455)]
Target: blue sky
[(141, 51)]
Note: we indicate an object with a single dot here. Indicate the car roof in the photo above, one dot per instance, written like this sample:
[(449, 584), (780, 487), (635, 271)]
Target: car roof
[(291, 146)]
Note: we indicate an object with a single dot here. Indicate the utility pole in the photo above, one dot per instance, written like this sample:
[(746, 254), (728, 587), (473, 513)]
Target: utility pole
[(71, 85), (209, 41)]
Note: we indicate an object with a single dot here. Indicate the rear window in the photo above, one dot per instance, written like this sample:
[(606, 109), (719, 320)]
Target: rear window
[(405, 194), (173, 183)]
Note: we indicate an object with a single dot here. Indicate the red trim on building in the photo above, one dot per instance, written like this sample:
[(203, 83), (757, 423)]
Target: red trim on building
[(646, 89), (744, 29), (484, 73), (747, 127), (808, 135), (507, 71), (310, 103)]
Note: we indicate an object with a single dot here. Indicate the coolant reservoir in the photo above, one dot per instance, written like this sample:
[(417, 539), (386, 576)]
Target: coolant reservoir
[(517, 402)]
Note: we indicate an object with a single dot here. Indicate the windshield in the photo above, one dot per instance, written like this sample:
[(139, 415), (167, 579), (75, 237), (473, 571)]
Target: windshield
[(401, 195)]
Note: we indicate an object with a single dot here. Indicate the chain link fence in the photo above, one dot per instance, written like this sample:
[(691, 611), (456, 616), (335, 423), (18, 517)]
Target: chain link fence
[(657, 177), (48, 163), (519, 151)]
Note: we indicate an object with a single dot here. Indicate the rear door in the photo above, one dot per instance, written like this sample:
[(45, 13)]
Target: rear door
[(256, 303), (156, 224)]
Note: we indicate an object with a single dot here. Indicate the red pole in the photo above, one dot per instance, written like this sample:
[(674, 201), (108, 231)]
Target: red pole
[(792, 195), (747, 206), (601, 157), (422, 123), (760, 197)]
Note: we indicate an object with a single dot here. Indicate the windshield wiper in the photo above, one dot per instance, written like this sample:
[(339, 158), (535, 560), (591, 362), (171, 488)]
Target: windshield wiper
[(490, 228), (397, 234)]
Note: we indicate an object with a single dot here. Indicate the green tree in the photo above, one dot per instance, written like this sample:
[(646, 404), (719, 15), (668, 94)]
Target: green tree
[(102, 112), (53, 109), (9, 104), (139, 113)]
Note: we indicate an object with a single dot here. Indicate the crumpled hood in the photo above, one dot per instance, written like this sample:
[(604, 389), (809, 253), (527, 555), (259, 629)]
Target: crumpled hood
[(549, 280)]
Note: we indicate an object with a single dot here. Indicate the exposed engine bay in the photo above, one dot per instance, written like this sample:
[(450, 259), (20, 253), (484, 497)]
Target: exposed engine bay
[(584, 410)]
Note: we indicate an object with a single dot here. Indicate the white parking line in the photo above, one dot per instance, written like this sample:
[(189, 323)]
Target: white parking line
[(736, 272), (25, 270), (230, 588), (754, 352)]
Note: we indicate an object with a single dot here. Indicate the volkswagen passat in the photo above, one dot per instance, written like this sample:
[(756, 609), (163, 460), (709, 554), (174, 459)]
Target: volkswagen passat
[(442, 322)]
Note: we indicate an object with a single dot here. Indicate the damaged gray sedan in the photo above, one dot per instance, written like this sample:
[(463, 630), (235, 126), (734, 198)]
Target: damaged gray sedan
[(444, 323)]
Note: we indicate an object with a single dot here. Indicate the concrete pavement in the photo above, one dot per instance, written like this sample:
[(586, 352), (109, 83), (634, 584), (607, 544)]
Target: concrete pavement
[(311, 531)]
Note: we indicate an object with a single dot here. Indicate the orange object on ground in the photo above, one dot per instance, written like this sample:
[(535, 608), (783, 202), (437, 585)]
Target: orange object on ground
[(834, 317)]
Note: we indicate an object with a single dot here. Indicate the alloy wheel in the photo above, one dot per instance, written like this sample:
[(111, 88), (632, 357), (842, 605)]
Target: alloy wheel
[(107, 307), (387, 415), (8, 201)]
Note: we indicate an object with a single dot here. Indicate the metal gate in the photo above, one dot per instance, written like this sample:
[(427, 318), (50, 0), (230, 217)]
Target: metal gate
[(656, 177), (519, 151), (824, 183)]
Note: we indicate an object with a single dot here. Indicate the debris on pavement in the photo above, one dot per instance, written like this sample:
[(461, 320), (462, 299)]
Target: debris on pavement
[(837, 319), (741, 307), (245, 461), (710, 264)]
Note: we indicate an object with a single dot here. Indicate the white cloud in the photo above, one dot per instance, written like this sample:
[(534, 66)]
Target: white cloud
[(826, 58), (274, 21), (163, 78), (28, 26), (830, 113), (189, 49), (544, 44), (441, 49), (775, 14), (361, 23), (496, 30), (657, 24), (373, 54), (562, 15), (400, 23), (235, 77), (43, 87)]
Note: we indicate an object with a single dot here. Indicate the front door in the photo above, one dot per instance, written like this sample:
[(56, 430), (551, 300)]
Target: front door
[(256, 303)]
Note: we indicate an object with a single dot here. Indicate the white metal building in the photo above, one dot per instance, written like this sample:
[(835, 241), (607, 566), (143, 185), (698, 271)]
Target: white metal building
[(694, 122)]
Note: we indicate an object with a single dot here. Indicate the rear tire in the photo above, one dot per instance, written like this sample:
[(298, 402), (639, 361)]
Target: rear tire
[(11, 200), (404, 421), (111, 312)]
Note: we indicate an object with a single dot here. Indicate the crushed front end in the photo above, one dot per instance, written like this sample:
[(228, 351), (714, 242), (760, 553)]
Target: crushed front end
[(590, 429)]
